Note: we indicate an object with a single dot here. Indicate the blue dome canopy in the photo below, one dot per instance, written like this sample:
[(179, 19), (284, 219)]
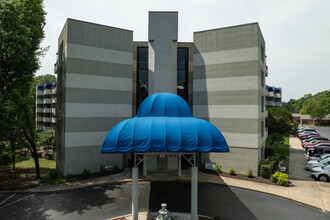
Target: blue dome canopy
[(164, 123)]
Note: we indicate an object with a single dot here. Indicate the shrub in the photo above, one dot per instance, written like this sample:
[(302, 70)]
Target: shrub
[(249, 173), (53, 174), (280, 178), (231, 172), (266, 170), (275, 176), (218, 168), (86, 173), (102, 169), (269, 152), (69, 176), (217, 217), (275, 160)]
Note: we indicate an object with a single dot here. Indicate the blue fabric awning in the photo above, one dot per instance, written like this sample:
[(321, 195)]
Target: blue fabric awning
[(164, 123)]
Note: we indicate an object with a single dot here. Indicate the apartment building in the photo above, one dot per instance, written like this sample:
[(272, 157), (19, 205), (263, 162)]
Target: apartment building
[(103, 76), (274, 96), (46, 107)]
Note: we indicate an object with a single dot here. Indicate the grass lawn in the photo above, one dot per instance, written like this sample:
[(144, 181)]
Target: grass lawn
[(24, 174), (282, 149)]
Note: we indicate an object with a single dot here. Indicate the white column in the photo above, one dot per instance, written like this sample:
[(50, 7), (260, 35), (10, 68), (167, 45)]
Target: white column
[(145, 165), (135, 193), (194, 191), (179, 164)]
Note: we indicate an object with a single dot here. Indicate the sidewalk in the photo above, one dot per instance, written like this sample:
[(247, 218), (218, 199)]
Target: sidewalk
[(309, 192)]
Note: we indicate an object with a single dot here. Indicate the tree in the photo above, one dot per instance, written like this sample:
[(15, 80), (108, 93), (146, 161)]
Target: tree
[(280, 121), (21, 32), (275, 139)]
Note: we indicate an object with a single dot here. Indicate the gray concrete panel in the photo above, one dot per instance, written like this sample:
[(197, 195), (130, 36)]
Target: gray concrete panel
[(96, 35), (249, 68), (76, 95), (236, 125), (91, 124), (229, 38), (89, 157), (98, 68), (163, 25), (236, 97)]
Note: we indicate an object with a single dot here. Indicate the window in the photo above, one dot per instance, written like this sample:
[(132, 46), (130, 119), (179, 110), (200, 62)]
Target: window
[(142, 75), (262, 128), (263, 53), (262, 79), (182, 72), (262, 103)]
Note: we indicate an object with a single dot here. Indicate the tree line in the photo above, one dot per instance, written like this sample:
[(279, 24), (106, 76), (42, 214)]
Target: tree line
[(317, 106), (21, 33)]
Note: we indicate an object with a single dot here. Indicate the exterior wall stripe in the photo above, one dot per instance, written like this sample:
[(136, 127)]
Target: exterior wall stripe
[(85, 110), (98, 68), (227, 111), (81, 139), (238, 69), (227, 84), (242, 139), (91, 124), (98, 82), (227, 56), (77, 95), (99, 54), (237, 97)]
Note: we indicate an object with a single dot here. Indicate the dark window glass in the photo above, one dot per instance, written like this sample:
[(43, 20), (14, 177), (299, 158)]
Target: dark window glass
[(182, 72), (142, 75)]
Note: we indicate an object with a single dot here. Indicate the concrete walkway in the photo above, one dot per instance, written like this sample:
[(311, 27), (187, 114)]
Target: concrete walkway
[(303, 189)]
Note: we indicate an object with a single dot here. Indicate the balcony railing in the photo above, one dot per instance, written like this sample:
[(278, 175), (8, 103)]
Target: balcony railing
[(270, 103), (278, 104), (40, 101), (54, 120), (39, 128), (54, 100), (271, 94), (277, 95), (47, 119), (40, 110), (47, 101), (54, 111), (40, 118), (47, 128), (40, 92), (47, 110), (47, 92)]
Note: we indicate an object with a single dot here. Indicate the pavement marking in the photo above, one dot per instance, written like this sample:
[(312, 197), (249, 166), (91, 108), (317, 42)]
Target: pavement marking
[(7, 199), (16, 201)]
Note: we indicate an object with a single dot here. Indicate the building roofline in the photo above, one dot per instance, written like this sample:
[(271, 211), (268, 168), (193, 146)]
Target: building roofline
[(72, 19), (240, 25)]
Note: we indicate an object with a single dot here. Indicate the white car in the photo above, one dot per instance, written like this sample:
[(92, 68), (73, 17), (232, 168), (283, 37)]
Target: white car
[(317, 163), (323, 156), (321, 173)]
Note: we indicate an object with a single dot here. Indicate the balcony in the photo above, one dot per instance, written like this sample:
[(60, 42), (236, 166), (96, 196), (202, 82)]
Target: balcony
[(40, 101), (47, 92), (40, 92), (54, 91), (278, 104), (277, 95), (47, 119), (54, 120), (270, 103), (47, 128), (271, 94), (40, 110), (39, 127), (47, 110), (54, 111), (54, 100), (40, 118), (47, 101)]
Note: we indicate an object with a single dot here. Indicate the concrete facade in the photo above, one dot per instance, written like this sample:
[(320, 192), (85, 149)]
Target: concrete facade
[(98, 80), (228, 89), (95, 92)]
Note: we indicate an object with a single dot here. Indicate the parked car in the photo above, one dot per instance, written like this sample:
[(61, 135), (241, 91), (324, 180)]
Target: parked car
[(323, 156), (313, 142), (315, 163), (321, 173), (317, 151), (315, 138)]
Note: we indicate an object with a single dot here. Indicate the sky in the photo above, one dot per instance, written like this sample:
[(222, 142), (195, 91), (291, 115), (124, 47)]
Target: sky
[(296, 32)]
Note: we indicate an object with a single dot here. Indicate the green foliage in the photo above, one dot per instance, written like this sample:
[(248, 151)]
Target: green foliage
[(280, 178), (280, 121), (69, 176), (45, 138), (249, 173), (43, 79), (217, 217), (231, 172), (266, 170), (102, 169), (53, 174), (86, 173), (218, 168), (21, 32), (275, 139)]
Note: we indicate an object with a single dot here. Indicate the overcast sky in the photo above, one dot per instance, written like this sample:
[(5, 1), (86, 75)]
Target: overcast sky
[(297, 32)]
